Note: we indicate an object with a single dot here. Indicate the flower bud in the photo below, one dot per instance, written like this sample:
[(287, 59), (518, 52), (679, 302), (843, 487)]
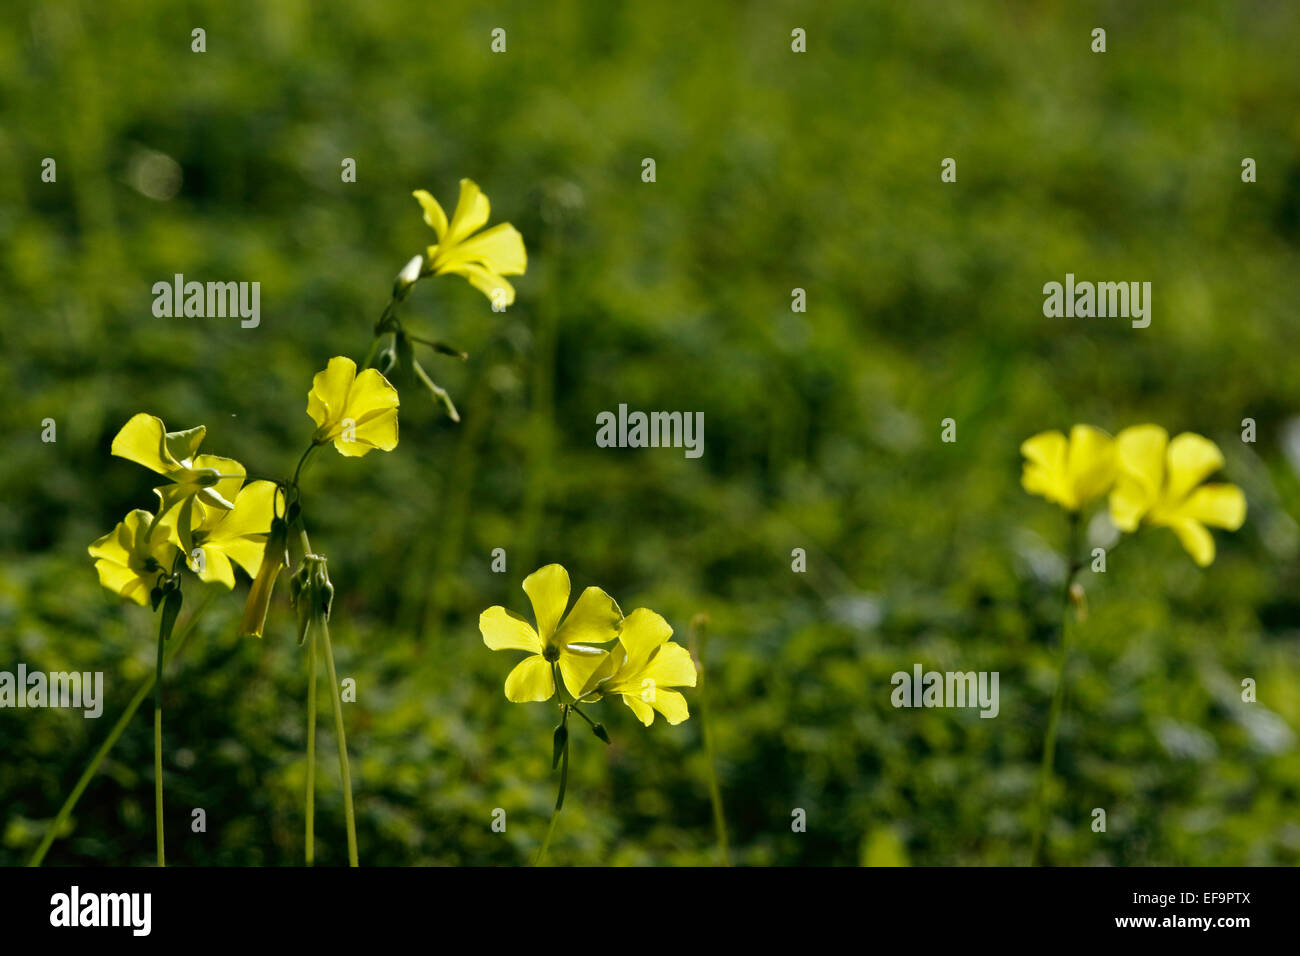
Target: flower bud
[(274, 559), (560, 742), (407, 277)]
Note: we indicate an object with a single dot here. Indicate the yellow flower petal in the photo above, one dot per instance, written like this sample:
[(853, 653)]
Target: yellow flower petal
[(472, 211), (116, 545), (372, 409), (548, 590), (143, 441), (642, 633), (433, 214), (593, 620), (241, 534), (578, 662), (503, 630), (1191, 459), (531, 680), (1195, 539), (215, 567), (1128, 503), (499, 249), (671, 666), (1045, 464), (1140, 453), (643, 711), (1219, 505), (671, 704), (1091, 468), (123, 582), (131, 556), (329, 393)]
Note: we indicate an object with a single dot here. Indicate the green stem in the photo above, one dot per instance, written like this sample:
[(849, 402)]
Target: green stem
[(559, 797), (157, 746), (311, 748), (297, 471), (1058, 698), (142, 692), (700, 630), (342, 740)]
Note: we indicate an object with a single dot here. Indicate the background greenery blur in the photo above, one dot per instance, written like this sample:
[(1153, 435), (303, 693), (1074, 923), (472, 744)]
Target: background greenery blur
[(775, 171)]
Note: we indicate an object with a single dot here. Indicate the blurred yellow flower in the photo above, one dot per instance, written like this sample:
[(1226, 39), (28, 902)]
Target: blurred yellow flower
[(1070, 473), (593, 620), (132, 556), (145, 440), (641, 668), (484, 259), (355, 412), (239, 535), (1159, 484)]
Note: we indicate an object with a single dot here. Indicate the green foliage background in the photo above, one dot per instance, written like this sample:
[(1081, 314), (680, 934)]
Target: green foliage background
[(775, 171)]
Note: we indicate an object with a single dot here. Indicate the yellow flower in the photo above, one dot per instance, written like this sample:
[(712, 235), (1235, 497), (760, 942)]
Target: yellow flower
[(483, 259), (355, 412), (593, 620), (1070, 473), (146, 441), (239, 535), (132, 556), (1159, 483), (641, 668)]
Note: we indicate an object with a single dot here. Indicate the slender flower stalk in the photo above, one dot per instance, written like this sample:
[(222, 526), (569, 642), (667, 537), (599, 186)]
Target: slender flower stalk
[(88, 774), (310, 842), (699, 641), (344, 771), (560, 754), (1072, 603), (157, 748)]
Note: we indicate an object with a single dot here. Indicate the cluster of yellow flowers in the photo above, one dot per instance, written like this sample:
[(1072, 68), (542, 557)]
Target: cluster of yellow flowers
[(641, 668), (207, 515), (1149, 478), (207, 512)]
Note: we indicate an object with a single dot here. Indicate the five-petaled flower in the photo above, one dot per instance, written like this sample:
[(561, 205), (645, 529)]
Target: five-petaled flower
[(239, 535), (174, 455), (1069, 472), (642, 667), (484, 259), (132, 556), (355, 412), (593, 620), (1159, 483)]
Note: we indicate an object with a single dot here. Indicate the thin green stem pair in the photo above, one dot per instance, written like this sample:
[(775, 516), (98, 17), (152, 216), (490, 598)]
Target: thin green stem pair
[(1041, 801), (60, 820), (320, 623)]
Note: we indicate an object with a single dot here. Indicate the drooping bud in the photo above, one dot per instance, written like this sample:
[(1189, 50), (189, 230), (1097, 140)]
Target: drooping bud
[(274, 560)]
